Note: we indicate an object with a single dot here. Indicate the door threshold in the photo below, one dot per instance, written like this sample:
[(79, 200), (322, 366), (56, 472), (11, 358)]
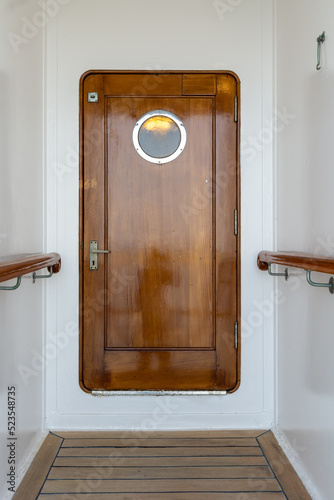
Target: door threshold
[(159, 393)]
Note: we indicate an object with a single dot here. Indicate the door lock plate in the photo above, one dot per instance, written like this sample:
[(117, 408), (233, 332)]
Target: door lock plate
[(92, 255)]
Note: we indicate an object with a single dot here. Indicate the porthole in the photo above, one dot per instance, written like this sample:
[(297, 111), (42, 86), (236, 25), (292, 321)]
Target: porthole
[(159, 136)]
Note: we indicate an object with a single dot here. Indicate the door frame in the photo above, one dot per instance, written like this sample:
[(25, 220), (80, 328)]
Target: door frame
[(81, 224)]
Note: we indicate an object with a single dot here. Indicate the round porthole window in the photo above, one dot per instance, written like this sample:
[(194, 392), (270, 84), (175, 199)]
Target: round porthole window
[(159, 136)]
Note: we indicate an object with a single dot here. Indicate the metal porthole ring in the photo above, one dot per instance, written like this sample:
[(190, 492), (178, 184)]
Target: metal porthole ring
[(178, 123)]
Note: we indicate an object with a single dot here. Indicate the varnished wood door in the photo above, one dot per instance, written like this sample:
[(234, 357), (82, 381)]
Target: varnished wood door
[(160, 311)]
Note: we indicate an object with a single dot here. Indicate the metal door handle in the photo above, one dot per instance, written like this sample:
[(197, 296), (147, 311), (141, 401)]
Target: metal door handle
[(93, 250), (100, 251)]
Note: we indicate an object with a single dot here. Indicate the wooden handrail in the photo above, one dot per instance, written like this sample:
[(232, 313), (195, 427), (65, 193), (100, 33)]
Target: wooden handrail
[(15, 266), (300, 260)]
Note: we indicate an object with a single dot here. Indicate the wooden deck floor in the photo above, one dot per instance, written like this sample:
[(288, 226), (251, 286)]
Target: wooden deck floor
[(210, 465)]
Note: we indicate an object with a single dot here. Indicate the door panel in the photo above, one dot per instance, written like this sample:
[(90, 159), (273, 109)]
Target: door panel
[(164, 255), (159, 312)]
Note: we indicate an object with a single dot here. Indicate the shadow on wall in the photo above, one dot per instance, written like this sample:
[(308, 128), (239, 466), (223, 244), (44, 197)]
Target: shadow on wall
[(318, 183), (5, 159)]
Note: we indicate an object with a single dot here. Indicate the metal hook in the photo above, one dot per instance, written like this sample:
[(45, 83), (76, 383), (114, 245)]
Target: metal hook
[(43, 276), (329, 285), (18, 283), (320, 40), (286, 272)]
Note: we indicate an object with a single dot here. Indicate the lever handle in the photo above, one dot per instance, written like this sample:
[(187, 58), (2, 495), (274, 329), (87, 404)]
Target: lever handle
[(93, 252)]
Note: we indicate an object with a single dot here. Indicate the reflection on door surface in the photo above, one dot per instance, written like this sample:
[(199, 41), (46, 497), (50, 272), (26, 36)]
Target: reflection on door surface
[(159, 246)]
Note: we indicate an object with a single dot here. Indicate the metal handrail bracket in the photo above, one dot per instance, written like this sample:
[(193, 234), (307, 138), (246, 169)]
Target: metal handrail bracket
[(329, 285), (286, 272), (43, 276), (18, 283)]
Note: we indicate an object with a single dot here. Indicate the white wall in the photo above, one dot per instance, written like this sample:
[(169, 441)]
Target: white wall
[(305, 223), (155, 34), (21, 226)]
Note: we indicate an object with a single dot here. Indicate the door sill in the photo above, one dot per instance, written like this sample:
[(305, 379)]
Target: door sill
[(158, 393)]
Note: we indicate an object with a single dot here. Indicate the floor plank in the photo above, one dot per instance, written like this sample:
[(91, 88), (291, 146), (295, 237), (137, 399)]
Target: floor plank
[(158, 452), (158, 442), (121, 434), (170, 496), (160, 472), (38, 470), (158, 461), (99, 485), (282, 468)]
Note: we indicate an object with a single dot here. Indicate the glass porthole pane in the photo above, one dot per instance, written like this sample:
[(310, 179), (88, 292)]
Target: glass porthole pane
[(159, 136)]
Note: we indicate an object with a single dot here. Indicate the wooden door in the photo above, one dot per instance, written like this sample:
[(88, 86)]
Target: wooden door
[(160, 310)]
